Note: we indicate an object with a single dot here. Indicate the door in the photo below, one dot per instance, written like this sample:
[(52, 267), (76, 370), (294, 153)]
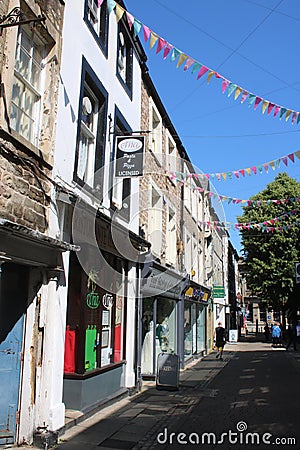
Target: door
[(13, 303)]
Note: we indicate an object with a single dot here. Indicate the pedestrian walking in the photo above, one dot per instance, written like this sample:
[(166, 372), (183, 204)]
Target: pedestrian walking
[(220, 340), (292, 336), (267, 332), (276, 335)]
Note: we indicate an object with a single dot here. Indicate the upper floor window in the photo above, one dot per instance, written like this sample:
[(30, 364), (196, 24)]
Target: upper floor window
[(27, 85), (155, 126), (125, 57), (90, 142), (171, 153), (171, 237), (97, 18)]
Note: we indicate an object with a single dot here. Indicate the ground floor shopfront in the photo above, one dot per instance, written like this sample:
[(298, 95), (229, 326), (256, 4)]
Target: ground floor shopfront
[(171, 320), (100, 343)]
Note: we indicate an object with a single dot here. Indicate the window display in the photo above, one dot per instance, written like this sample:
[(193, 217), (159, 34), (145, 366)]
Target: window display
[(95, 320)]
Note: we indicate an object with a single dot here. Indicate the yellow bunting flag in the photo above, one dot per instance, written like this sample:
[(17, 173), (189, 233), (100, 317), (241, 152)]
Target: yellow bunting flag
[(287, 114), (153, 39), (248, 171), (272, 165), (265, 104), (238, 91), (210, 74), (119, 12), (181, 60), (224, 175)]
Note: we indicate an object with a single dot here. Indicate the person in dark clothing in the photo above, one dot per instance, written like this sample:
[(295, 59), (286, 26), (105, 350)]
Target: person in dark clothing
[(292, 336), (267, 332), (220, 339)]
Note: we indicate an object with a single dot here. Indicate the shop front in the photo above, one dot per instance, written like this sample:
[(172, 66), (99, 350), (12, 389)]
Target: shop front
[(195, 305), (161, 317), (101, 323)]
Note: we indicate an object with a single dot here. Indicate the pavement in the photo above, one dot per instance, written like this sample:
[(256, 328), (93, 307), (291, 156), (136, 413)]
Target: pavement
[(254, 388)]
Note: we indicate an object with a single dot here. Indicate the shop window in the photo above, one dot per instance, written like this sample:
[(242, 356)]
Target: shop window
[(125, 58), (97, 20), (90, 142), (95, 320), (26, 99)]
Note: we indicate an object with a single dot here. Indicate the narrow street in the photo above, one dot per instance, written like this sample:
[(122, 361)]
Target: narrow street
[(249, 398)]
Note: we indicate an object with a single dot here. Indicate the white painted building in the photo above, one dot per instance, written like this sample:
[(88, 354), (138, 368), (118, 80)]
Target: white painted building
[(100, 97)]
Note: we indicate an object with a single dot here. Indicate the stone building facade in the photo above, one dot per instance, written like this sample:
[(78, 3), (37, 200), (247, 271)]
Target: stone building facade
[(30, 47)]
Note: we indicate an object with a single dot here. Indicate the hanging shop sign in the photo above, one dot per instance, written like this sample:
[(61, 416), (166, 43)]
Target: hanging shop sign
[(219, 291), (129, 156), (92, 300), (196, 294)]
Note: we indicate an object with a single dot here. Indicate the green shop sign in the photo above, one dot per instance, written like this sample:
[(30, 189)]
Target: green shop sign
[(219, 291), (92, 300)]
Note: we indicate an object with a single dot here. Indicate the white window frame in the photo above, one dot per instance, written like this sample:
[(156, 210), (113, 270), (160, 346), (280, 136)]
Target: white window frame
[(155, 219), (171, 151), (35, 42), (171, 236), (90, 134), (155, 127)]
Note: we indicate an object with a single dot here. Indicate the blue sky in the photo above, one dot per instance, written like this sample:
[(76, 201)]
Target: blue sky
[(254, 44)]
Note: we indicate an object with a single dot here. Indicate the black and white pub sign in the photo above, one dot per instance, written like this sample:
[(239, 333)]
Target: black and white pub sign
[(129, 156)]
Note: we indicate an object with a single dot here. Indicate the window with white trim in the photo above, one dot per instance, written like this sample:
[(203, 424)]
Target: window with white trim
[(27, 85), (125, 57), (155, 221), (171, 241), (171, 153), (90, 142), (97, 18), (155, 127)]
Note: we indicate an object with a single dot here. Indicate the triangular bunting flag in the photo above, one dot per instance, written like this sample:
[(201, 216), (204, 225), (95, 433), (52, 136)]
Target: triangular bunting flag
[(292, 157), (225, 84), (284, 160), (167, 49), (100, 3), (237, 92), (248, 171), (160, 45), (210, 74), (282, 112), (224, 175), (153, 39), (137, 25), (270, 107), (277, 109), (266, 167), (202, 71), (188, 64), (231, 88), (272, 165), (147, 33), (254, 169), (130, 19), (257, 102), (119, 12), (181, 60), (295, 115), (297, 153), (242, 171), (251, 99), (287, 115), (111, 4), (264, 105), (244, 96), (175, 54)]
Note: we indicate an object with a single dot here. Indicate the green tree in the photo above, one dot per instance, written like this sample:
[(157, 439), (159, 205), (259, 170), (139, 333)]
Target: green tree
[(270, 240)]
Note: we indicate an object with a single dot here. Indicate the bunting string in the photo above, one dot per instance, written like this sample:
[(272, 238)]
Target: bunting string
[(182, 59), (270, 225), (234, 200), (239, 173)]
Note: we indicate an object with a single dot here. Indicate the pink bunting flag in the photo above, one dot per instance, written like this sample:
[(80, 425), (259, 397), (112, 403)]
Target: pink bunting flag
[(189, 62), (147, 32), (130, 19), (292, 157), (160, 45), (167, 49), (201, 72), (254, 169), (236, 173), (225, 84), (277, 109), (266, 167), (295, 115), (100, 3), (244, 96), (242, 171), (270, 107), (257, 102)]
